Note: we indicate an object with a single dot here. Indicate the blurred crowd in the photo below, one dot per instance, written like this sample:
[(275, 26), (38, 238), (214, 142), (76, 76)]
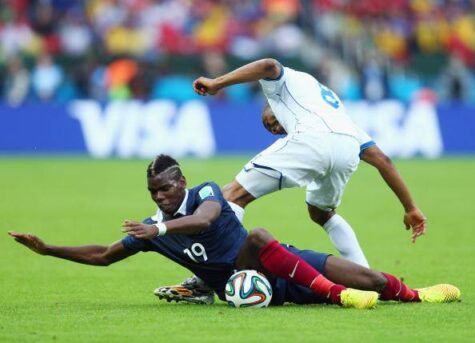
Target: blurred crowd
[(59, 50)]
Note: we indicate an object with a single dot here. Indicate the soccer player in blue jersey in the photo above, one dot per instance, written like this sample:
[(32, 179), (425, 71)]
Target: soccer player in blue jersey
[(197, 229)]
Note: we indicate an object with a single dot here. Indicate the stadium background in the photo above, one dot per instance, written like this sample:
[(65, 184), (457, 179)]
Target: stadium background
[(112, 78), (92, 89)]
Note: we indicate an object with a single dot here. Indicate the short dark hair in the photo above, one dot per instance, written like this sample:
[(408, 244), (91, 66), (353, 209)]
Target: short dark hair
[(163, 163)]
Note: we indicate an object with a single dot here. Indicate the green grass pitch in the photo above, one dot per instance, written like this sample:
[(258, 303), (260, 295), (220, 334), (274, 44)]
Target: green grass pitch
[(79, 201)]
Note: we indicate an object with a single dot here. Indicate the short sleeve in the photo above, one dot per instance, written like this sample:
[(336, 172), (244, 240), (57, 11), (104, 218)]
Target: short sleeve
[(134, 244), (209, 192), (364, 139), (272, 87)]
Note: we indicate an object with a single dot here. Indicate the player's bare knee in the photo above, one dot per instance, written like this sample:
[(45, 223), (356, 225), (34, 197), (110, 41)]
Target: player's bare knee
[(229, 192), (320, 216), (258, 238), (236, 193)]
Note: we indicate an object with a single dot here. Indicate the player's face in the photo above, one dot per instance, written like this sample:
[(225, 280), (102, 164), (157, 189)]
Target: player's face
[(271, 123), (167, 192)]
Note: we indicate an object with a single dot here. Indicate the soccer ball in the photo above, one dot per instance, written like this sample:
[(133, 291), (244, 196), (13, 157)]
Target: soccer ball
[(248, 288)]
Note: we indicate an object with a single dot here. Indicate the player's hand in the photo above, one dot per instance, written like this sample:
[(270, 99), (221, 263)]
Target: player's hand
[(415, 220), (139, 230), (204, 86), (30, 241)]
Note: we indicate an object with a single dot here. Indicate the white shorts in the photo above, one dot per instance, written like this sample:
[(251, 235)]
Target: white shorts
[(321, 162)]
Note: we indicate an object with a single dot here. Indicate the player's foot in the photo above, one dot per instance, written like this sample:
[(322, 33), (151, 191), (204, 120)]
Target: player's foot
[(192, 290), (358, 299), (443, 293)]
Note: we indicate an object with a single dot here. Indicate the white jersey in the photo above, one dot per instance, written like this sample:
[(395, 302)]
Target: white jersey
[(300, 103)]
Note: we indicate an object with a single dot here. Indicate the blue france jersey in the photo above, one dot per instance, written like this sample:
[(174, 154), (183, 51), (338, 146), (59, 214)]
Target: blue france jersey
[(211, 254)]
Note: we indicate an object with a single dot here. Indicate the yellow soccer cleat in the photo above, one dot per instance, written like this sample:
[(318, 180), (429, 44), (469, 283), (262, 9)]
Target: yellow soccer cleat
[(443, 293), (358, 299)]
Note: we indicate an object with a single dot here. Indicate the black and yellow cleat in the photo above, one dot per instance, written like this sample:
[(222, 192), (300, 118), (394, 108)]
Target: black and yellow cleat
[(192, 290)]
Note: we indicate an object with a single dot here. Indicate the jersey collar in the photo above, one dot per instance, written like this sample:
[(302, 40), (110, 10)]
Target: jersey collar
[(182, 209)]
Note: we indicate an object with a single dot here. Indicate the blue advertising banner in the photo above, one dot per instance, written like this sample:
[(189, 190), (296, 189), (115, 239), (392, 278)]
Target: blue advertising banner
[(205, 128), (39, 128)]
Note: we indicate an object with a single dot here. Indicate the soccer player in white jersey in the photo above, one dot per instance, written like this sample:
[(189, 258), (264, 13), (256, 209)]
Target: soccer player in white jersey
[(321, 150)]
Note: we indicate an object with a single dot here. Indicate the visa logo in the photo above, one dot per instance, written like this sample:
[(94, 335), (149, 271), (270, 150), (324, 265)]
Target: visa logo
[(145, 129)]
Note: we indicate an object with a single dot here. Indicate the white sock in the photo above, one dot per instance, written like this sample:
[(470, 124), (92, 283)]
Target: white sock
[(344, 239), (238, 210)]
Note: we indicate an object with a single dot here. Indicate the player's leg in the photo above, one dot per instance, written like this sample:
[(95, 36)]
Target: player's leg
[(324, 195), (264, 174), (234, 192), (350, 274), (238, 198), (249, 254), (340, 232), (353, 275), (257, 183), (390, 287), (262, 252)]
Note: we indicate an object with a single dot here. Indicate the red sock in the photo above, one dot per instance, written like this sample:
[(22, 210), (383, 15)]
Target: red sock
[(397, 290), (282, 263)]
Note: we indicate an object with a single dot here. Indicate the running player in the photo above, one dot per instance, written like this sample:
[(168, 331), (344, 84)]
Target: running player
[(321, 151), (197, 229)]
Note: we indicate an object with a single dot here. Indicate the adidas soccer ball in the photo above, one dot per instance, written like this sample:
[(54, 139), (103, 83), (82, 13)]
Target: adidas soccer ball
[(248, 288)]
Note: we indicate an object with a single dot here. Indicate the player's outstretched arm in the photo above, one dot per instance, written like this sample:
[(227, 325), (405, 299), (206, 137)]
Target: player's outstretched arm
[(199, 221), (96, 255), (254, 71), (413, 218)]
